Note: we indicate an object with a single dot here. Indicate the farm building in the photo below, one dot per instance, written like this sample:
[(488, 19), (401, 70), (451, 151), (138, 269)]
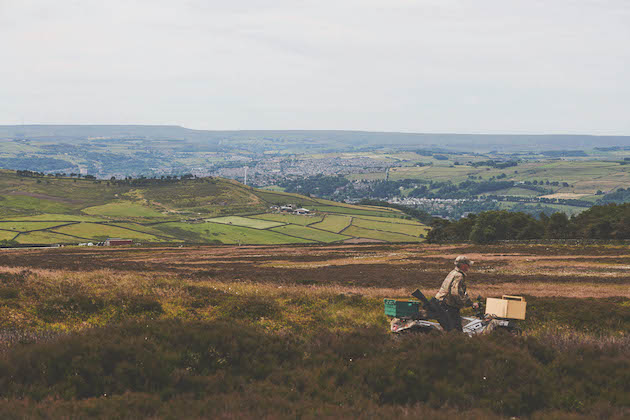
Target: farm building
[(302, 211), (118, 241), (288, 207)]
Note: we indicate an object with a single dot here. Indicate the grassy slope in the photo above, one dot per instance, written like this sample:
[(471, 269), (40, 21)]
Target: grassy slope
[(391, 219), (379, 235), (310, 233), (20, 226), (226, 234), (245, 222), (43, 203), (6, 235), (585, 176), (56, 217), (123, 209), (334, 223), (101, 232), (415, 230), (288, 218), (45, 237)]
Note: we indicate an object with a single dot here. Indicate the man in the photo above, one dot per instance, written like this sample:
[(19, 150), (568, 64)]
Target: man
[(452, 296)]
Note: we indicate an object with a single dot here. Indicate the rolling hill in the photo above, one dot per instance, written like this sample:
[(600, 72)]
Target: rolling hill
[(44, 210), (339, 139)]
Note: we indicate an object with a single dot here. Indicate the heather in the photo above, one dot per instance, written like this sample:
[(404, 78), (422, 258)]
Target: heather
[(246, 332)]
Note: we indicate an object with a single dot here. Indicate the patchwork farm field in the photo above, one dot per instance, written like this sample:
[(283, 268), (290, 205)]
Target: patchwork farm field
[(299, 331), (265, 228), (66, 211)]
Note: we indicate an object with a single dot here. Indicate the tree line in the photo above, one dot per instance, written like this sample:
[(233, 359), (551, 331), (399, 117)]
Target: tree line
[(610, 221)]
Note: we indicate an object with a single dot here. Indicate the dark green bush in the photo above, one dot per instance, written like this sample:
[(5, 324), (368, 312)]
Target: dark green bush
[(205, 296), (163, 357), (58, 308), (9, 293), (248, 307), (138, 304)]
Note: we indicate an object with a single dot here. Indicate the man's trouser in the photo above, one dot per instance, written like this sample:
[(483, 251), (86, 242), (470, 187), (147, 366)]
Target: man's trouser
[(452, 321)]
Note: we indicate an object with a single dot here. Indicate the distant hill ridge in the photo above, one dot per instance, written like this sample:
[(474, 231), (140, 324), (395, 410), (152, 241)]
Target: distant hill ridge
[(520, 141)]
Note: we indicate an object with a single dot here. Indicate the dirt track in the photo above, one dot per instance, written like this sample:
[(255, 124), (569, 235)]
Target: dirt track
[(539, 270)]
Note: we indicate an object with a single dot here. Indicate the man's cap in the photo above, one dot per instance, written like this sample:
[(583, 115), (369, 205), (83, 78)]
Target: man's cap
[(462, 259)]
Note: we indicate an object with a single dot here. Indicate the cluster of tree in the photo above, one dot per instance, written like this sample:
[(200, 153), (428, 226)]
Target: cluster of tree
[(466, 189), (495, 164), (622, 195), (563, 201), (611, 221), (338, 187), (168, 179), (8, 243), (319, 185), (35, 174), (29, 174)]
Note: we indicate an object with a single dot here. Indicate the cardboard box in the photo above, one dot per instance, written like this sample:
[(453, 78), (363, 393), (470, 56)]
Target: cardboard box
[(512, 307)]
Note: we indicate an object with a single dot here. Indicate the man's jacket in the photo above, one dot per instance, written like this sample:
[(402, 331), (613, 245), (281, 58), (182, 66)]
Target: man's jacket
[(453, 290)]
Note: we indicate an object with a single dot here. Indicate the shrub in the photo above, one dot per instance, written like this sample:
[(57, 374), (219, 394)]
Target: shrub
[(9, 293), (160, 356), (205, 296), (62, 307), (248, 307), (138, 304)]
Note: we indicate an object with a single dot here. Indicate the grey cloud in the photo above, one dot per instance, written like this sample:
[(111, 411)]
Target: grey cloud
[(406, 65)]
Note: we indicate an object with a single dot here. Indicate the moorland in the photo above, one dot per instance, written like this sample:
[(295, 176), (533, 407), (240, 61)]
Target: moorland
[(299, 331)]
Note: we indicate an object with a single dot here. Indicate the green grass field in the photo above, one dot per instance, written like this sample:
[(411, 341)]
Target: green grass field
[(21, 204), (226, 234), (123, 209), (57, 217), (45, 238), (348, 210), (360, 232), (141, 228), (333, 223), (310, 233), (96, 231), (20, 226), (274, 197), (245, 222), (392, 219), (293, 219), (5, 235), (415, 230)]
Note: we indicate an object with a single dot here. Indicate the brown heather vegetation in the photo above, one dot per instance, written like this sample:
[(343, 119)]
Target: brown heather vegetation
[(275, 332)]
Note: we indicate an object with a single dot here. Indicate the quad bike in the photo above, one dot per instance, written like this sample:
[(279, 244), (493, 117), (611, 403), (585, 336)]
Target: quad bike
[(471, 325)]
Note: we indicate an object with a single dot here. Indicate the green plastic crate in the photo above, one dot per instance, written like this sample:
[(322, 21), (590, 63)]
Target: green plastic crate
[(401, 308)]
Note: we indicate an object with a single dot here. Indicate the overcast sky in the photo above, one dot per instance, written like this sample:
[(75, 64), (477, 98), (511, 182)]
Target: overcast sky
[(467, 66)]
